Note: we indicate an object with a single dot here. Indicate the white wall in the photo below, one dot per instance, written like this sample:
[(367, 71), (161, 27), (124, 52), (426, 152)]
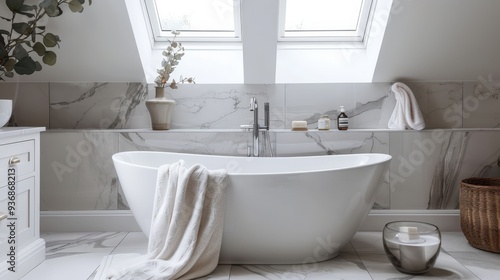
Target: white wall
[(441, 40)]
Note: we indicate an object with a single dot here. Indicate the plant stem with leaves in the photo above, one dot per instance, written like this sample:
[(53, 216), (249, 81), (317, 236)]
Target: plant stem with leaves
[(172, 55), (26, 37)]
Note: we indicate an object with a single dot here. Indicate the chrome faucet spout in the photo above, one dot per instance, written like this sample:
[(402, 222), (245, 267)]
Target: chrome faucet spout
[(255, 128), (255, 133)]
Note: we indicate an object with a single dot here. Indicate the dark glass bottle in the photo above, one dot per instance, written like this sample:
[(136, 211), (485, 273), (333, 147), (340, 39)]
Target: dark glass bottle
[(342, 120)]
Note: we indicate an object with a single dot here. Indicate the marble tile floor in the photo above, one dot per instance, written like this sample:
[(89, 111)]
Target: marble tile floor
[(78, 256)]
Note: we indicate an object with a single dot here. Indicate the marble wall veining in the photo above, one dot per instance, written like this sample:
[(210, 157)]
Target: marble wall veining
[(88, 122), (97, 105)]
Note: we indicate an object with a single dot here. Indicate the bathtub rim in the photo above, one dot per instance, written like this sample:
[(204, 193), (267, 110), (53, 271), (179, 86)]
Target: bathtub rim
[(382, 159)]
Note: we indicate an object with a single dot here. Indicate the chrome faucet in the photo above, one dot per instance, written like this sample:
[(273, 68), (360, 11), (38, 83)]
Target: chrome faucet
[(255, 128)]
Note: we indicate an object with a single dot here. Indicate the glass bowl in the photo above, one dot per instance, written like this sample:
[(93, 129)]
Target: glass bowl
[(412, 247)]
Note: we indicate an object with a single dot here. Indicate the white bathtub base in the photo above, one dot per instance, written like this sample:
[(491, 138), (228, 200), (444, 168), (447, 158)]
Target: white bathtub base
[(278, 210)]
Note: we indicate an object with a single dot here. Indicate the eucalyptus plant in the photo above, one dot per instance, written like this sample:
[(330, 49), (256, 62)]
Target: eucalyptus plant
[(26, 36), (172, 55)]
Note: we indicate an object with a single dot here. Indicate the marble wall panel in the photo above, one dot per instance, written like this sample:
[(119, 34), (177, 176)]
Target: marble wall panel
[(412, 167), (76, 171), (30, 103), (307, 102), (427, 167), (199, 142), (98, 105), (482, 155), (374, 105), (481, 106), (225, 106), (331, 142), (369, 105), (438, 102)]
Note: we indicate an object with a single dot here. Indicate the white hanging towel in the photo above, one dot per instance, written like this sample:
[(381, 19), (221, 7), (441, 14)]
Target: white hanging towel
[(186, 232), (406, 113)]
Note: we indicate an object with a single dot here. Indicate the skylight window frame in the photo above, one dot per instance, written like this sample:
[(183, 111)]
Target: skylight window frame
[(160, 36), (356, 37)]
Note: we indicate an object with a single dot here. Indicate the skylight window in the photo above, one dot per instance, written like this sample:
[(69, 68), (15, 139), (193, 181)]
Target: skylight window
[(196, 19), (324, 20)]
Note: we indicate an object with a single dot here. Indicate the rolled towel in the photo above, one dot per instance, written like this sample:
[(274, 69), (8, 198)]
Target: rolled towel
[(406, 113)]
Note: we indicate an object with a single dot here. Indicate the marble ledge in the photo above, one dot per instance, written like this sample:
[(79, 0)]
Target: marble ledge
[(231, 130), (16, 131)]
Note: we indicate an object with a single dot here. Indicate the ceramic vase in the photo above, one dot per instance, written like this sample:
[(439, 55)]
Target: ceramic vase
[(160, 110)]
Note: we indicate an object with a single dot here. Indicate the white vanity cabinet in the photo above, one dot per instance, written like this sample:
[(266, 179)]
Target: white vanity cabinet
[(20, 147)]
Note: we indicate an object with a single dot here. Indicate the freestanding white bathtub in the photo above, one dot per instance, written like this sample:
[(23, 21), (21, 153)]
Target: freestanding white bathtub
[(279, 210)]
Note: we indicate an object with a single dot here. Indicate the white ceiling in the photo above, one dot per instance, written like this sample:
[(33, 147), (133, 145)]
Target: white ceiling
[(428, 40)]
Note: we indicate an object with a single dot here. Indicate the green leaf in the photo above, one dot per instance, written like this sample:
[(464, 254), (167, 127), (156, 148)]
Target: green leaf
[(21, 27), (39, 48), (9, 64), (17, 6), (14, 5), (83, 2), (75, 6), (50, 40), (19, 52), (25, 66), (51, 7), (38, 66), (3, 53), (25, 8), (50, 58)]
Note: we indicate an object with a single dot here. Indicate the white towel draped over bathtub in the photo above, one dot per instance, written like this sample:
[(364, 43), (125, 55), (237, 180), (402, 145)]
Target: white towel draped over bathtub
[(406, 113), (186, 231)]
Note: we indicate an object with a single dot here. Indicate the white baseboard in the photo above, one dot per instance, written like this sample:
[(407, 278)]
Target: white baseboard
[(445, 220), (123, 220), (27, 259)]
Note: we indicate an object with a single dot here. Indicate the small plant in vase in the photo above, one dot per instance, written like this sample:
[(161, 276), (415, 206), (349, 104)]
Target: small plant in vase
[(160, 108)]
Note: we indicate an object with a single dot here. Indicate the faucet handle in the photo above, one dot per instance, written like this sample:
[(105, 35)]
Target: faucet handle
[(253, 103), (246, 127)]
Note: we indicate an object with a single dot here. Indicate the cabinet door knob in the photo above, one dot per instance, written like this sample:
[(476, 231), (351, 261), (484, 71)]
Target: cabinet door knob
[(3, 216), (14, 160)]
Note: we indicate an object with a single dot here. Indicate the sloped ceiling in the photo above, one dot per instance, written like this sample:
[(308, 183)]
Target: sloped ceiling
[(424, 40), (441, 40)]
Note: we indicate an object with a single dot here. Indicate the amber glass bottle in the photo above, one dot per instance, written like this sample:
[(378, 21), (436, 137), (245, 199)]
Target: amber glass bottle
[(342, 120)]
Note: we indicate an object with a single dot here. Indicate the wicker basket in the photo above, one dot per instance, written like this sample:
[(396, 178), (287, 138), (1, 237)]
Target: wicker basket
[(480, 212)]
